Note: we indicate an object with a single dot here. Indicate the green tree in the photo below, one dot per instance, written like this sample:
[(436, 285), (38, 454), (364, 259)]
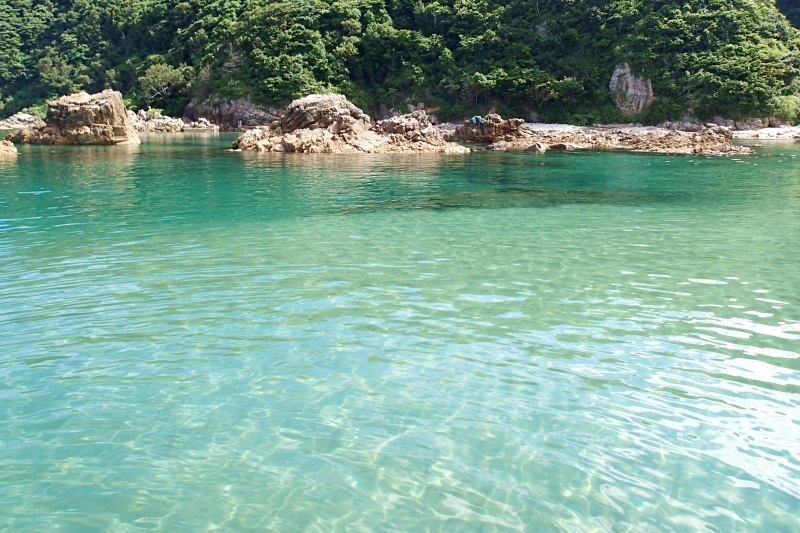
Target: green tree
[(160, 81)]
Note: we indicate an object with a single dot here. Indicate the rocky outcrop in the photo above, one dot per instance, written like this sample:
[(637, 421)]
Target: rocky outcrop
[(752, 124), (326, 111), (489, 129), (687, 123), (728, 123), (21, 120), (83, 119), (332, 124), (158, 123), (230, 115), (7, 150), (631, 94), (538, 148)]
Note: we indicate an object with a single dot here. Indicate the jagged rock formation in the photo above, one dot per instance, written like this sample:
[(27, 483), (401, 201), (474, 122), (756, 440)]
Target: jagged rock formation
[(7, 150), (331, 124), (328, 111), (631, 94), (21, 120), (83, 119), (489, 129)]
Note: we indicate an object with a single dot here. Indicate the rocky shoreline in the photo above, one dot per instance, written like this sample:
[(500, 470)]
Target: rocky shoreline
[(329, 123), (781, 133), (513, 134), (158, 123), (332, 124)]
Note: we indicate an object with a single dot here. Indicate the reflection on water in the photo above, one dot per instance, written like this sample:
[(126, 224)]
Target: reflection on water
[(196, 339)]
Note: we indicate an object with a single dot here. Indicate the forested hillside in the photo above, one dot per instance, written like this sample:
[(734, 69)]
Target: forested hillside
[(554, 57)]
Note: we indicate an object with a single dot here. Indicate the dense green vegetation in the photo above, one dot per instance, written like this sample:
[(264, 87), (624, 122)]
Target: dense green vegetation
[(554, 57)]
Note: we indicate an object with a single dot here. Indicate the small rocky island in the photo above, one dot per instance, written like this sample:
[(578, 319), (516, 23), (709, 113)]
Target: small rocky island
[(82, 119), (329, 123)]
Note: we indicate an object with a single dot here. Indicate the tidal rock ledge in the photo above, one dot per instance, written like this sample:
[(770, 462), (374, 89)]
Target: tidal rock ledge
[(512, 134), (711, 140), (82, 119), (329, 123)]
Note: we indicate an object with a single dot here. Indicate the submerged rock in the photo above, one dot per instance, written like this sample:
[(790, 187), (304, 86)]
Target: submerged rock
[(503, 198), (83, 119), (329, 123), (7, 150)]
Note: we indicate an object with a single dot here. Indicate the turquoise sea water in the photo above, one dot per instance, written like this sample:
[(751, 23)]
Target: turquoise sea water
[(193, 339)]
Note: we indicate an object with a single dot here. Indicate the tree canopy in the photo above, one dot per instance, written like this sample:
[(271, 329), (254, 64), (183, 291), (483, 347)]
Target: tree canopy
[(732, 58)]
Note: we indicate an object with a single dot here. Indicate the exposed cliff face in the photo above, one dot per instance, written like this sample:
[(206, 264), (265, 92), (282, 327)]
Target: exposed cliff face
[(631, 94), (83, 119), (231, 115), (331, 124)]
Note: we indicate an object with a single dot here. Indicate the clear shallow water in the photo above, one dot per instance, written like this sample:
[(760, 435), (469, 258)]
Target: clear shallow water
[(193, 339)]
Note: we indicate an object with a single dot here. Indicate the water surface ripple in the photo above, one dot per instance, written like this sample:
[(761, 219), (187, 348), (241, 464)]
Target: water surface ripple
[(193, 339)]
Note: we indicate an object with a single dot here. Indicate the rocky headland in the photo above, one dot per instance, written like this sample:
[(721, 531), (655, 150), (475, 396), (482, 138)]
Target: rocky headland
[(82, 119), (7, 150), (329, 123)]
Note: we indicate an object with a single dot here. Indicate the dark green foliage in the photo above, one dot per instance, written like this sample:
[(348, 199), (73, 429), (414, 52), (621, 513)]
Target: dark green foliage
[(551, 57)]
